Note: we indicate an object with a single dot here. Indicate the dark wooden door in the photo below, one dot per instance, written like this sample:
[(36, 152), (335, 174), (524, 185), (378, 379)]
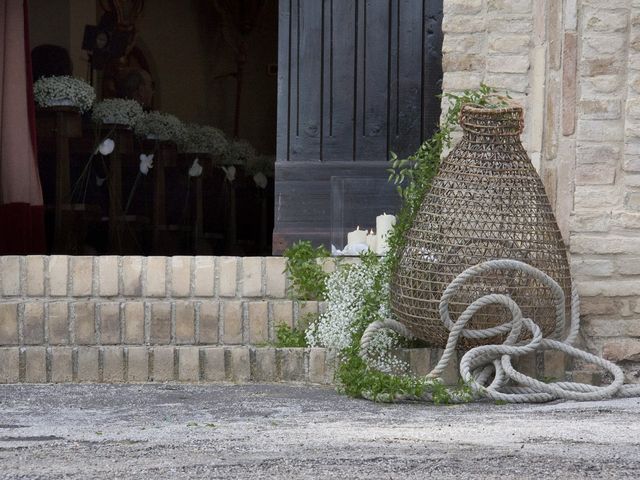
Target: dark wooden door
[(357, 79)]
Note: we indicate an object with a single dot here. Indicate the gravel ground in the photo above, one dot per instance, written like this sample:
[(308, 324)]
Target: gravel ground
[(285, 431)]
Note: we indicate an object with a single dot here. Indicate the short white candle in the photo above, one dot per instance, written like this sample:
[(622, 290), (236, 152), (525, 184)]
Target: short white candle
[(372, 241), (384, 225), (357, 236)]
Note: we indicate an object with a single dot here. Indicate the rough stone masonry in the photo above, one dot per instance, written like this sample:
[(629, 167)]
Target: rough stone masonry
[(575, 67)]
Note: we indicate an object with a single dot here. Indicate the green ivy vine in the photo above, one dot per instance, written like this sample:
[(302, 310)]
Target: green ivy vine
[(412, 177)]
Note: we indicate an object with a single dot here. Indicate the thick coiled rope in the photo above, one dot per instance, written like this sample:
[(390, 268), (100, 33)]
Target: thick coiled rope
[(487, 369)]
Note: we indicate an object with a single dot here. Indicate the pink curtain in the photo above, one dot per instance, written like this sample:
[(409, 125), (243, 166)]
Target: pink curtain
[(21, 210)]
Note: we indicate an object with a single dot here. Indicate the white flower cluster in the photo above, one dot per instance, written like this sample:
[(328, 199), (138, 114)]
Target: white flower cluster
[(159, 126), (380, 354), (118, 111), (202, 139), (239, 152), (345, 300), (55, 91)]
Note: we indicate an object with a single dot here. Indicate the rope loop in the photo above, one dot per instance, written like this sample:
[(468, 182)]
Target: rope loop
[(487, 369)]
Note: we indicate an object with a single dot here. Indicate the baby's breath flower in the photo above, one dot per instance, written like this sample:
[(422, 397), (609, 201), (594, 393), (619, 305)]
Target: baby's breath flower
[(118, 111), (160, 126), (345, 303), (335, 327), (52, 91), (239, 152), (380, 353), (202, 139)]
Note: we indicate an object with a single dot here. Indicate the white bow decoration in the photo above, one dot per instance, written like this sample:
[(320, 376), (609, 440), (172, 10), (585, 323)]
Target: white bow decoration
[(196, 169), (106, 146), (230, 172), (146, 163), (261, 180)]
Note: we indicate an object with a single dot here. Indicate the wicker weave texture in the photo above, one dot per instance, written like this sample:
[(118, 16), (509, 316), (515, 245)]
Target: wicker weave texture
[(486, 202)]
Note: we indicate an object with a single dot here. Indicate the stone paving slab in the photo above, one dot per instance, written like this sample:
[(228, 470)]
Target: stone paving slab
[(287, 431)]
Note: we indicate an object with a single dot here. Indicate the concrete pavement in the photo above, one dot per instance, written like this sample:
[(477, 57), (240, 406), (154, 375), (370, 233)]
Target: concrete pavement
[(288, 431)]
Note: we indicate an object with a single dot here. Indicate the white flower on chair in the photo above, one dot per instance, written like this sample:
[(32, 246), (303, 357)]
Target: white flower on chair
[(260, 180), (106, 146), (146, 163), (230, 172), (196, 168)]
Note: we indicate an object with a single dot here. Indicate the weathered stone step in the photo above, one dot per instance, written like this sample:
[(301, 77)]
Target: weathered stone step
[(155, 322), (136, 363), (139, 319), (59, 276)]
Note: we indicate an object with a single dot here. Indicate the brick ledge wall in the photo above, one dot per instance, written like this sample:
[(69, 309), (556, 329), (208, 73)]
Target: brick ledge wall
[(239, 364), (64, 300), (139, 319)]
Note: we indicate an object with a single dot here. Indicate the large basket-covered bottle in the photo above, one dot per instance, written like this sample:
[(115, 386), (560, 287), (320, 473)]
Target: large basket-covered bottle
[(486, 202)]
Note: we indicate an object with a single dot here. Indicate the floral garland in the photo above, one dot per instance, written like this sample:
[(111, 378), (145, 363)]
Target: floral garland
[(56, 91), (117, 111), (159, 126), (203, 139), (240, 152)]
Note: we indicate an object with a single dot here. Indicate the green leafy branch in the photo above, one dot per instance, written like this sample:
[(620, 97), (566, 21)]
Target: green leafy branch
[(306, 276), (412, 177), (414, 174)]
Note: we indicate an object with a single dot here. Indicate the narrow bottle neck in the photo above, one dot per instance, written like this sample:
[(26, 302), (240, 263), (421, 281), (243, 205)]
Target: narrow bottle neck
[(491, 135), (491, 126)]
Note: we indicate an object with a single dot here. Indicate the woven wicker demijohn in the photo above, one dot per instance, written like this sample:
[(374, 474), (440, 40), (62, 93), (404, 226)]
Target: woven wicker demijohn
[(486, 202)]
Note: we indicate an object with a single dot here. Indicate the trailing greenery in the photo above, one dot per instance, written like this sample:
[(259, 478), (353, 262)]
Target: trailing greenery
[(287, 337), (413, 177), (306, 276), (306, 282), (357, 379)]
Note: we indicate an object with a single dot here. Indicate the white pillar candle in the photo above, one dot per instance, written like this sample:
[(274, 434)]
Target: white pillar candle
[(384, 224), (357, 236), (371, 242)]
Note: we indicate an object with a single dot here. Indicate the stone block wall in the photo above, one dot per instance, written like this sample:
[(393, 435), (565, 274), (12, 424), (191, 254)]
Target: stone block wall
[(575, 66)]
